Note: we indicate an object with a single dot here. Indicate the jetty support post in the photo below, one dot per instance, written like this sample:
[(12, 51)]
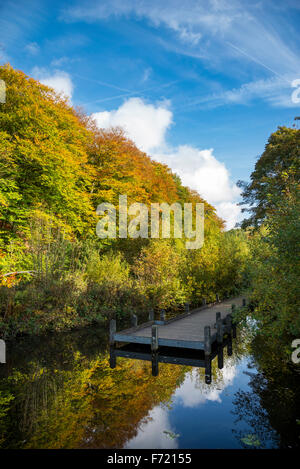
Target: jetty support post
[(151, 314), (217, 298), (187, 307), (134, 320), (154, 350), (207, 340), (204, 302), (154, 338), (162, 315)]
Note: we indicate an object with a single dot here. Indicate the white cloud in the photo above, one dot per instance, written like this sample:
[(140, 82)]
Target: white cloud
[(59, 80), (200, 170), (146, 74), (151, 432), (147, 124), (189, 394), (33, 48), (276, 91)]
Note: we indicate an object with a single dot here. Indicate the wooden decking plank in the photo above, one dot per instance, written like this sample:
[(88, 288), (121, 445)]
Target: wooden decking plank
[(187, 330)]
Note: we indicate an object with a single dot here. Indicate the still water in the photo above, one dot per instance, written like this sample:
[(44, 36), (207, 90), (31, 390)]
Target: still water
[(60, 392)]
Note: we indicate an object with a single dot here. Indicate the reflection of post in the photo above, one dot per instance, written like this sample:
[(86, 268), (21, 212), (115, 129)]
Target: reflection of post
[(220, 357), (112, 331), (244, 301), (154, 363), (207, 369), (229, 346), (112, 357), (154, 350)]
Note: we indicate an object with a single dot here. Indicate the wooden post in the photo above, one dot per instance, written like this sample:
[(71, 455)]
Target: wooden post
[(207, 370), (207, 340), (151, 315), (162, 315), (220, 357), (112, 331), (134, 320), (244, 301), (219, 330), (232, 308), (187, 307), (217, 298), (203, 302), (112, 357), (154, 338)]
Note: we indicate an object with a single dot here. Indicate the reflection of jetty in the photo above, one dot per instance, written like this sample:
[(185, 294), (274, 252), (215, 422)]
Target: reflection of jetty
[(176, 356), (193, 338)]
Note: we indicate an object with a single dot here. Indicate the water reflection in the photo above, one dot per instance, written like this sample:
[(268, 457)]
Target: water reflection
[(176, 356), (60, 392)]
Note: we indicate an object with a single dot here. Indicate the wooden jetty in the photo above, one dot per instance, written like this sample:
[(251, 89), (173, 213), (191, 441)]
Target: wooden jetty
[(193, 338), (197, 329)]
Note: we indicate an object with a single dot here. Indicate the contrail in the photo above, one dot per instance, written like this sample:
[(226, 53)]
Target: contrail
[(130, 93), (257, 61)]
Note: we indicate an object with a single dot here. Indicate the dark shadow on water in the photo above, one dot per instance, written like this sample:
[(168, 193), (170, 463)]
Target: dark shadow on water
[(175, 356)]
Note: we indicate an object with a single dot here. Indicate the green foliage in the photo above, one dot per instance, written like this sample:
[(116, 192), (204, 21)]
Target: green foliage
[(277, 168), (275, 269), (157, 272)]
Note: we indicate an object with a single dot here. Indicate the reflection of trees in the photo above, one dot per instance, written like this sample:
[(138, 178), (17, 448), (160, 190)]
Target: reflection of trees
[(272, 407), (248, 408), (71, 400)]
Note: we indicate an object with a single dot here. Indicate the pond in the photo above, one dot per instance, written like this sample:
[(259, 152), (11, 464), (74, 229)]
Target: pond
[(60, 392)]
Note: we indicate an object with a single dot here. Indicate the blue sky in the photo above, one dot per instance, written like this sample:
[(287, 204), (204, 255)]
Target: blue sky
[(199, 85)]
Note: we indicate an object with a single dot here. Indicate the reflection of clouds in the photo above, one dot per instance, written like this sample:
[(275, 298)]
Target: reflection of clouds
[(150, 433), (189, 394)]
